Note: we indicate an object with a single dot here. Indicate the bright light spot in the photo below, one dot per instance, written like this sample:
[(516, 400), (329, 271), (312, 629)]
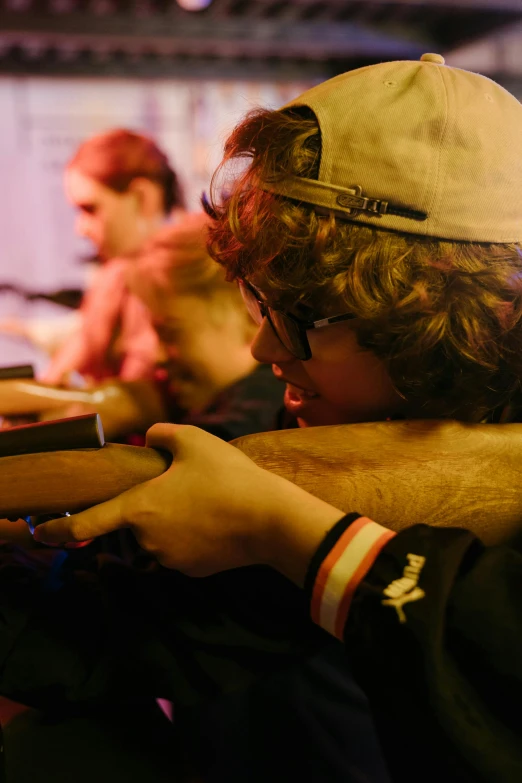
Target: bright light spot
[(194, 5)]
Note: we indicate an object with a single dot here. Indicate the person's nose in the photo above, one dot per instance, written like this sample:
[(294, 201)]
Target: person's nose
[(82, 226), (267, 348)]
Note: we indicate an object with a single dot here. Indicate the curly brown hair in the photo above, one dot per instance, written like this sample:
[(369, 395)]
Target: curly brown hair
[(445, 316)]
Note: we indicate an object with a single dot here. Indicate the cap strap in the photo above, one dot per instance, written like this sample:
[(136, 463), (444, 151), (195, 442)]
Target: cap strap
[(350, 201)]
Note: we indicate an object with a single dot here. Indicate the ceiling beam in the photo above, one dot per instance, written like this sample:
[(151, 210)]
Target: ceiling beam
[(193, 35), (52, 63), (498, 53), (483, 5)]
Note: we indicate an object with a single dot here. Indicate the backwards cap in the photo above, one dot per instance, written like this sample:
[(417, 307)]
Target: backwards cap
[(417, 147)]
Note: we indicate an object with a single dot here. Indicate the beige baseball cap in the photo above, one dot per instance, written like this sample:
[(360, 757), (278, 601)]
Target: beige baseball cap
[(418, 147)]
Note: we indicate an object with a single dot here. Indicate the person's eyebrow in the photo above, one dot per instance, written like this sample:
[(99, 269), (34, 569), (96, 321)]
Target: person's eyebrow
[(279, 301), (271, 300)]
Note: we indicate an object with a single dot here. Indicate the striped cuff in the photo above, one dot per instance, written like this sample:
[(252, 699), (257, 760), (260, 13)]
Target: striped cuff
[(339, 566)]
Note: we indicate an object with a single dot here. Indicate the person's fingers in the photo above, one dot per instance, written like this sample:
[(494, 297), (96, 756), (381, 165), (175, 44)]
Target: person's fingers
[(96, 521)]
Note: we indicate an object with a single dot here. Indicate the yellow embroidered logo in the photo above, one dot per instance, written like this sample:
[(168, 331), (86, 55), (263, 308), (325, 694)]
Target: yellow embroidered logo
[(404, 590)]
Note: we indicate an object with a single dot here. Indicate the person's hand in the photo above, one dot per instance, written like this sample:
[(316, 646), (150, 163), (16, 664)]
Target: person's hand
[(14, 326), (71, 379), (212, 510)]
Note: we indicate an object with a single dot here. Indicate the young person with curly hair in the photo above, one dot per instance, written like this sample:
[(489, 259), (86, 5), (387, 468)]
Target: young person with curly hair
[(379, 294), (375, 227)]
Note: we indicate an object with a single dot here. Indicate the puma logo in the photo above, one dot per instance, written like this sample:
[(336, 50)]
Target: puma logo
[(398, 603), (405, 590)]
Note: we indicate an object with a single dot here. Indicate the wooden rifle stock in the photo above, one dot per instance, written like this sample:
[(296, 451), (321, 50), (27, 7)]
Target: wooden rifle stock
[(399, 473), (442, 473), (65, 465)]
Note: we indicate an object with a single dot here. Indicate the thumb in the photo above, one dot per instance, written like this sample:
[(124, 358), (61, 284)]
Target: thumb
[(167, 437), (95, 521), (180, 439)]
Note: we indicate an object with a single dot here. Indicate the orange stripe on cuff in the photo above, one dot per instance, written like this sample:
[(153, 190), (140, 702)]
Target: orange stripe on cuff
[(364, 566), (342, 571), (329, 562)]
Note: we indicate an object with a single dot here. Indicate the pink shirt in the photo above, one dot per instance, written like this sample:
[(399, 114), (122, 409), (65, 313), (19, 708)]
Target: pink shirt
[(116, 337)]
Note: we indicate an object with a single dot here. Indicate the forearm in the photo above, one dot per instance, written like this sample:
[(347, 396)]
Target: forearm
[(288, 540), (26, 397), (71, 357), (124, 407)]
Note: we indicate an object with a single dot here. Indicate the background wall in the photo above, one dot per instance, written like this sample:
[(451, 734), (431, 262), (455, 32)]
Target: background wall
[(44, 120)]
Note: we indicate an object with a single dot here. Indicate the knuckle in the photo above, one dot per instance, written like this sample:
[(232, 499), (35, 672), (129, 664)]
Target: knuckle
[(141, 513), (76, 532)]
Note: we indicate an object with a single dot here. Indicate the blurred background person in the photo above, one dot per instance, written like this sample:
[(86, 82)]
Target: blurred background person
[(123, 189), (205, 373)]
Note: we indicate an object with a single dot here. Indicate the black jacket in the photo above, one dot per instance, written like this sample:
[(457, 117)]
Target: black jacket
[(445, 686), (445, 683)]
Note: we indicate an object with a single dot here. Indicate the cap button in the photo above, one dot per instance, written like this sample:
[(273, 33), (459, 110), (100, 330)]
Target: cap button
[(433, 58)]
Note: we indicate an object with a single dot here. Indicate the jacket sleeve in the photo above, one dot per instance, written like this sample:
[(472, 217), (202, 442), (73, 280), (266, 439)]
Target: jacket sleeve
[(432, 621), (81, 630)]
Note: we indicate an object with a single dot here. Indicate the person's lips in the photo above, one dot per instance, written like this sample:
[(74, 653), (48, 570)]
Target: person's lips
[(298, 391), (297, 399)]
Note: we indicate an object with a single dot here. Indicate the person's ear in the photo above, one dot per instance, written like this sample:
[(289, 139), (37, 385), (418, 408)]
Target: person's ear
[(148, 196)]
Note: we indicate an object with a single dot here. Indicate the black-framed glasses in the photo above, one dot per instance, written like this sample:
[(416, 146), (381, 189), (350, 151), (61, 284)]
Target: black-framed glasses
[(290, 330)]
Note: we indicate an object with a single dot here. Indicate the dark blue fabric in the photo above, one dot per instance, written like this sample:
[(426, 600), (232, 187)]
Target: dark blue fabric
[(309, 723)]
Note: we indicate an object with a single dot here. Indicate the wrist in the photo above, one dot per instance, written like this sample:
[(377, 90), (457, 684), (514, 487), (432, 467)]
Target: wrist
[(290, 531)]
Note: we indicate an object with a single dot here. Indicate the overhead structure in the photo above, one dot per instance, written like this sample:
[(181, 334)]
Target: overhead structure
[(253, 37)]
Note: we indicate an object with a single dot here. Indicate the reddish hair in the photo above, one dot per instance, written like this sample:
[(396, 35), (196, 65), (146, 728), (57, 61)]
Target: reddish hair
[(119, 156)]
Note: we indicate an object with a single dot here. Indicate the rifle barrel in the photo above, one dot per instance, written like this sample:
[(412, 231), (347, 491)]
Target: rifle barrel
[(16, 372), (77, 432)]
